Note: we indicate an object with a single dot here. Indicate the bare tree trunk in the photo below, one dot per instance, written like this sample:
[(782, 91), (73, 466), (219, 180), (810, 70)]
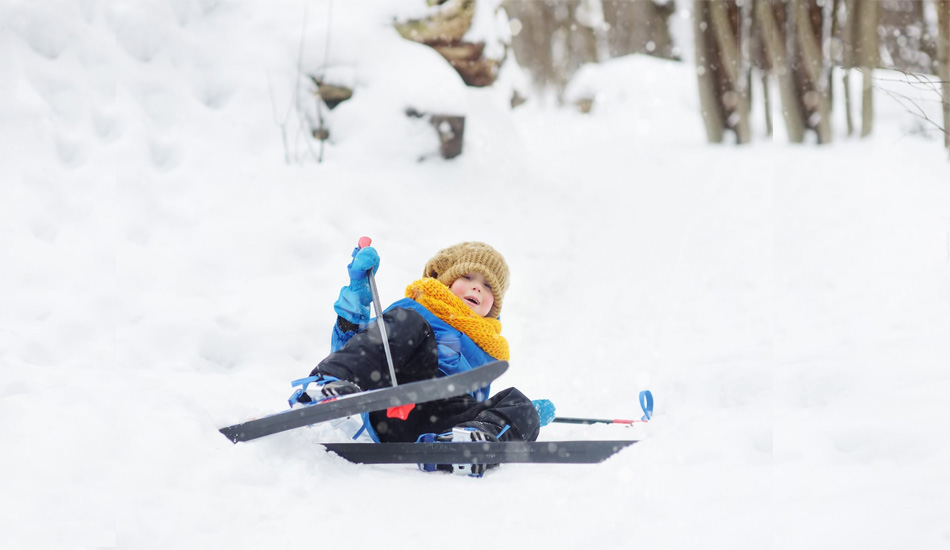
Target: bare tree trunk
[(846, 82), (867, 101), (772, 39), (860, 42), (552, 44), (868, 59), (723, 68), (639, 26), (841, 30), (706, 58), (590, 14), (943, 62), (736, 98), (556, 37), (816, 97)]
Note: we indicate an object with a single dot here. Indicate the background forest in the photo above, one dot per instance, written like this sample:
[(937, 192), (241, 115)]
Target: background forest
[(739, 46)]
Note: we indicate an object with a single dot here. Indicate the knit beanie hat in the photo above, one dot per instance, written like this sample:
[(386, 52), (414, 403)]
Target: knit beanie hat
[(451, 263)]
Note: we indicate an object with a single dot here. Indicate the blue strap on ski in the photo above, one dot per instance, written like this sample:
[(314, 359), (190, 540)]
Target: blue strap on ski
[(366, 427), (323, 379), (426, 438), (646, 403), (303, 383)]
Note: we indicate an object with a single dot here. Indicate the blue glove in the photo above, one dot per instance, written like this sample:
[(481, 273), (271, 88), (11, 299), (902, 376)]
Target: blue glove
[(545, 410), (363, 259), (353, 303)]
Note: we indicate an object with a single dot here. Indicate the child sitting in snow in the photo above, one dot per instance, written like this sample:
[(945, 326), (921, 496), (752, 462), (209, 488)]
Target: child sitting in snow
[(448, 323)]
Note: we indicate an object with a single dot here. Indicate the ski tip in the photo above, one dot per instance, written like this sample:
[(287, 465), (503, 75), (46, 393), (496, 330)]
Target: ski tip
[(500, 366), (496, 368), (233, 435)]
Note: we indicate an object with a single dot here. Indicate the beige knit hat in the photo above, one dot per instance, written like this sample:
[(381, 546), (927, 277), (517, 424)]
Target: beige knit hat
[(451, 263)]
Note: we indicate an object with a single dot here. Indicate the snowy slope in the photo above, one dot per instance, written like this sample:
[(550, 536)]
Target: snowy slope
[(170, 252)]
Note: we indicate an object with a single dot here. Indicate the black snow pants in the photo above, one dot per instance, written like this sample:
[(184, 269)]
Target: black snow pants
[(415, 357)]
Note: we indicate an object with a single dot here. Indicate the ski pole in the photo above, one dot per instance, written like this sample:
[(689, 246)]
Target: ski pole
[(646, 403), (401, 412), (571, 420), (363, 243)]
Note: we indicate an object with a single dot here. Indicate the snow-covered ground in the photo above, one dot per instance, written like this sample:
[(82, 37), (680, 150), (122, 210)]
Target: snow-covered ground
[(170, 250)]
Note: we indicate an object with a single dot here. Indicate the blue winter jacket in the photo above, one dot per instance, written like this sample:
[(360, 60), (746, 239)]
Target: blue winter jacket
[(457, 352)]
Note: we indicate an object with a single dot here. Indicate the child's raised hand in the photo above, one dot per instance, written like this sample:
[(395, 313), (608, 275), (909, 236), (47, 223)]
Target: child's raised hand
[(354, 301), (363, 259)]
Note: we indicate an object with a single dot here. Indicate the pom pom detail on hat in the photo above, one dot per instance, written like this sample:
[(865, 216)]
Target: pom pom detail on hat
[(471, 257)]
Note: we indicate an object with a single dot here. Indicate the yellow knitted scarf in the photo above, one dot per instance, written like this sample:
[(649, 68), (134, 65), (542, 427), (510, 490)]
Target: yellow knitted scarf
[(437, 298)]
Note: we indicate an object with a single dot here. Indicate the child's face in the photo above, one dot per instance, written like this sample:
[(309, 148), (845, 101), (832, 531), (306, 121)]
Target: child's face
[(475, 292)]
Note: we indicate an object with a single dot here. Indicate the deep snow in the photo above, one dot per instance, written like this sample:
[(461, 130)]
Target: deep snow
[(171, 250)]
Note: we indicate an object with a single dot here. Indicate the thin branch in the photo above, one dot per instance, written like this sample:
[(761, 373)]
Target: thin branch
[(326, 60), (302, 122), (282, 126), (907, 102)]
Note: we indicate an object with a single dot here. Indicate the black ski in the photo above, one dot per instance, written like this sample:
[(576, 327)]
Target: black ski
[(559, 452), (369, 401)]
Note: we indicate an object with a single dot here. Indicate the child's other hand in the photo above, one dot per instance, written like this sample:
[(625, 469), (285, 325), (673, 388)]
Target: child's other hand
[(545, 410)]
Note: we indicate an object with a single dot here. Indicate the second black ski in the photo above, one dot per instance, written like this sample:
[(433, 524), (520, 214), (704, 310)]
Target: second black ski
[(481, 452)]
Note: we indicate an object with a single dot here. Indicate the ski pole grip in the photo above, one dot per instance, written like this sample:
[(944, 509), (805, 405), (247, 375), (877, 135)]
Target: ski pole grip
[(646, 403)]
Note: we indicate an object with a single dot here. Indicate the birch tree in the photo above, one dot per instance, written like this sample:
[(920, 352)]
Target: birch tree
[(771, 23), (856, 26), (722, 69)]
